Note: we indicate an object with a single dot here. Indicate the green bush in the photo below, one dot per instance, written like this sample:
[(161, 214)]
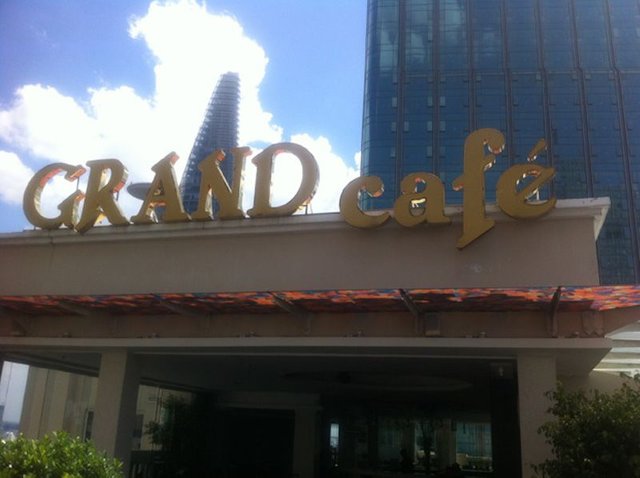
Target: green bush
[(54, 456), (594, 435)]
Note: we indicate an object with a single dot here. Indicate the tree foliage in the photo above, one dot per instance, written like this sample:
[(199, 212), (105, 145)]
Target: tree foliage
[(55, 456), (594, 435)]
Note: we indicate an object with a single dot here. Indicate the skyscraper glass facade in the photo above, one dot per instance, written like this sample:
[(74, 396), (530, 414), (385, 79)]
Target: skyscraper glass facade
[(564, 70), (219, 130)]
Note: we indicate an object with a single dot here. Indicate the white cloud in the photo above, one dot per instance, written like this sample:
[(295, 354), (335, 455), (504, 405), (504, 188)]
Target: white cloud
[(334, 173), (47, 124), (357, 159), (192, 48), (14, 176)]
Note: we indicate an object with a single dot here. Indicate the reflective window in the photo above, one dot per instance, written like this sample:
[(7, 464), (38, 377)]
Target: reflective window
[(557, 37), (418, 35), (491, 113), (454, 54), (522, 35), (567, 136), (591, 28), (609, 176), (486, 20), (418, 110), (455, 91), (631, 101), (625, 21)]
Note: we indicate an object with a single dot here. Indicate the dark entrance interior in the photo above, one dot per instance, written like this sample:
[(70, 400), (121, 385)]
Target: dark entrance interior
[(364, 417), (464, 425), (255, 443)]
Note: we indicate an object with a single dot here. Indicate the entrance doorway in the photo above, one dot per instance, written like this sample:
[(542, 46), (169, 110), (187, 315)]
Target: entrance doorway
[(255, 443), (463, 423)]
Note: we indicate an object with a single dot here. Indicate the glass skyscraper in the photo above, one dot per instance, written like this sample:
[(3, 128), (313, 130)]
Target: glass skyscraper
[(219, 130), (564, 70)]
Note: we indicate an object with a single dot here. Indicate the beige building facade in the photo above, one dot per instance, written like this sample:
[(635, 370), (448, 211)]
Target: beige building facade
[(350, 349)]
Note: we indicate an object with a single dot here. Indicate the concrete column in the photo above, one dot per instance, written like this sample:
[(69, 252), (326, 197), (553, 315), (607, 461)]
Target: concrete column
[(304, 442), (55, 402), (33, 405), (536, 376), (115, 409)]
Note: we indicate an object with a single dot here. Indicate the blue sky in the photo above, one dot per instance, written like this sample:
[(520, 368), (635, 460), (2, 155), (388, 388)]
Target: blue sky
[(130, 79)]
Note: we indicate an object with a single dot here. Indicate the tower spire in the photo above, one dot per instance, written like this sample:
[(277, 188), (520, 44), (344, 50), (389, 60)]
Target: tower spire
[(219, 130)]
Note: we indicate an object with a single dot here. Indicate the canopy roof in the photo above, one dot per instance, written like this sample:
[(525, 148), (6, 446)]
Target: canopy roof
[(598, 298)]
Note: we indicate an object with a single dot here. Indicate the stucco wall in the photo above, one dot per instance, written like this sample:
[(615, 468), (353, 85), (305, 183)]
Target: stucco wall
[(315, 252)]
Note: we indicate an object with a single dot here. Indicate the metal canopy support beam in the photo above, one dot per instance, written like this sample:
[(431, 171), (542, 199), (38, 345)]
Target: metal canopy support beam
[(425, 324), (294, 309), (553, 312), (410, 304), (17, 329), (76, 309), (178, 309), (287, 305)]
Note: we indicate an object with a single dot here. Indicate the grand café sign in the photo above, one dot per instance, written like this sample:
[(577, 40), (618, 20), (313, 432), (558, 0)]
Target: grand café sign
[(421, 200)]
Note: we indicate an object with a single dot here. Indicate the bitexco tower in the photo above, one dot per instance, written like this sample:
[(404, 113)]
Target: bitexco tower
[(219, 130)]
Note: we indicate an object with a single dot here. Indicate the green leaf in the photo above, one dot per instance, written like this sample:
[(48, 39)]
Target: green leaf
[(55, 456)]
